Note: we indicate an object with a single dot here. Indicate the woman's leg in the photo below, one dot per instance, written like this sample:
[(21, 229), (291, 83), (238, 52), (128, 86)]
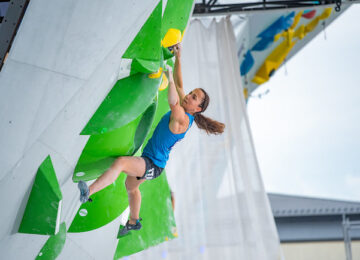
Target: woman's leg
[(132, 187), (132, 166)]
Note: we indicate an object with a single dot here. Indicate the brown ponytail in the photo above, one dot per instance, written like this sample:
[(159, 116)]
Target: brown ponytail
[(205, 123)]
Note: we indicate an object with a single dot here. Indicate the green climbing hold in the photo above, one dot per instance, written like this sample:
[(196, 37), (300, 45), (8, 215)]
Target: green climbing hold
[(126, 101), (54, 245), (176, 15), (42, 212), (144, 66), (147, 43), (158, 222), (106, 206), (101, 150)]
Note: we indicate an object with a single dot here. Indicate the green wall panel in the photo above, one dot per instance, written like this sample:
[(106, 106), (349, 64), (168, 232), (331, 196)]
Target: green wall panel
[(144, 66), (162, 108), (176, 15), (54, 245), (147, 43), (158, 222), (125, 102), (101, 150), (41, 212), (107, 205)]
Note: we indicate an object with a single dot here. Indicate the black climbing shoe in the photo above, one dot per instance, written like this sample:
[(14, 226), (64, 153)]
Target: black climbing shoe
[(84, 192), (128, 227)]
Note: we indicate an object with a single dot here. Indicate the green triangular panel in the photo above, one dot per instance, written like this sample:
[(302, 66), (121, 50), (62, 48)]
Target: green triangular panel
[(156, 210), (54, 245), (87, 171), (101, 150), (158, 224), (125, 102), (147, 43), (162, 108), (107, 205), (144, 127), (176, 15), (41, 212), (144, 66)]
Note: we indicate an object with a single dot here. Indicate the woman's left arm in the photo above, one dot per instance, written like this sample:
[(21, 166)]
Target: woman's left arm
[(177, 112)]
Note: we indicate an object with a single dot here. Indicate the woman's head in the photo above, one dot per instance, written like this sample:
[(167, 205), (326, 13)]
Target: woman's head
[(196, 101)]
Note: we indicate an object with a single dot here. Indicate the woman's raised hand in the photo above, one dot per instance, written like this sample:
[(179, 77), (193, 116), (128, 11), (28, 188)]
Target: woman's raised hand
[(177, 50), (169, 73)]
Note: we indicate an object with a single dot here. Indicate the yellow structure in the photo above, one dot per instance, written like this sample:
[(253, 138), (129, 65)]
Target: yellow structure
[(278, 55), (273, 62)]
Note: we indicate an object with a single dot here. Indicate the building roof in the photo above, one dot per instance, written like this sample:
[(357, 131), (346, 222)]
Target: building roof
[(289, 205), (300, 219)]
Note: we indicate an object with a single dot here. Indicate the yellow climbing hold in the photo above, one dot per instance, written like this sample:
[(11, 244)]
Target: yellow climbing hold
[(156, 75), (296, 19), (273, 62), (171, 38), (325, 14), (166, 239), (164, 83), (246, 93), (300, 32), (311, 26), (277, 37)]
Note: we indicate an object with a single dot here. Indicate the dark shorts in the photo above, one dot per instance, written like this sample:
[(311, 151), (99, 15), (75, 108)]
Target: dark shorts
[(152, 171)]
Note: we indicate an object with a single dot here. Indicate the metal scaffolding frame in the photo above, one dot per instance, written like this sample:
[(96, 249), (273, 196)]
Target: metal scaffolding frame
[(349, 225), (212, 7)]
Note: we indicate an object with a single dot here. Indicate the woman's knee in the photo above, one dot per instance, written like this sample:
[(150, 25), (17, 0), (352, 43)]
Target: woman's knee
[(130, 187), (119, 164)]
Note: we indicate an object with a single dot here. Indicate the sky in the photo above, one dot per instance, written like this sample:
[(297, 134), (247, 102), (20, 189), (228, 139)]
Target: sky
[(306, 130)]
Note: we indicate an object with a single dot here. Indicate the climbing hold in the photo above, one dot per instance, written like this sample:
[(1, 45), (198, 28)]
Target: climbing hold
[(164, 83), (273, 62), (156, 75), (171, 38), (54, 245), (325, 14), (246, 93), (42, 213), (263, 44), (144, 66), (300, 32), (282, 23), (147, 43), (296, 20), (125, 104), (309, 14), (247, 63)]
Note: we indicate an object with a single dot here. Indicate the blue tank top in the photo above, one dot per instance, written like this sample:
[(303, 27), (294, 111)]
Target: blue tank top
[(159, 146)]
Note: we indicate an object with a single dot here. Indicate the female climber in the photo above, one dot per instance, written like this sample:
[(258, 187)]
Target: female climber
[(172, 128)]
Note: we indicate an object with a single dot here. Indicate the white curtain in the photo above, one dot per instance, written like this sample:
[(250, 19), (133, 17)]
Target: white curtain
[(222, 211)]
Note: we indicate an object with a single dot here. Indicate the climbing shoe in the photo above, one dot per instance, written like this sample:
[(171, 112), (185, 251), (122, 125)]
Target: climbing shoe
[(128, 227), (84, 192)]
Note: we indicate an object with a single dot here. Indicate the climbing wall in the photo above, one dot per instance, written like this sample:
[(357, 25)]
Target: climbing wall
[(78, 90)]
